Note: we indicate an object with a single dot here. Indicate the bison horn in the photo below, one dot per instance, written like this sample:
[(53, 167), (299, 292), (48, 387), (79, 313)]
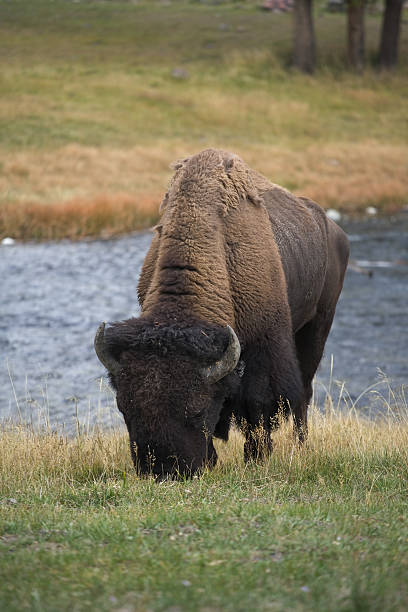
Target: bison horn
[(103, 353), (228, 361)]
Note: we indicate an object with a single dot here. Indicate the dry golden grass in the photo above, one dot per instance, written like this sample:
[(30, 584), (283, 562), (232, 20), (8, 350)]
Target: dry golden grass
[(29, 455), (103, 215), (79, 191), (330, 435), (32, 456)]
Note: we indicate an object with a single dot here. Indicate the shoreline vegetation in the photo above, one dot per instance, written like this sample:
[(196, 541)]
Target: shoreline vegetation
[(97, 99), (321, 527)]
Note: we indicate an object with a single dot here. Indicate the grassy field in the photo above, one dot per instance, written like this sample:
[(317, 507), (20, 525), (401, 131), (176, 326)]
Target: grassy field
[(97, 98), (319, 528)]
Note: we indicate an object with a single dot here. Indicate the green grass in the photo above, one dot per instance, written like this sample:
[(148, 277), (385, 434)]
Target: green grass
[(323, 528), (101, 73), (96, 81)]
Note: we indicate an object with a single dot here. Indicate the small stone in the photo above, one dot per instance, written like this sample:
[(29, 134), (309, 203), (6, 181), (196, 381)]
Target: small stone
[(8, 241), (186, 583), (371, 210), (179, 73), (333, 214)]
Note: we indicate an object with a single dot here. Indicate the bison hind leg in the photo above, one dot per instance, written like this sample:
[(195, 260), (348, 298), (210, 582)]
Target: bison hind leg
[(310, 341), (300, 421)]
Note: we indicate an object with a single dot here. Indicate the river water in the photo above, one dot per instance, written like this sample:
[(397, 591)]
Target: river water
[(54, 295)]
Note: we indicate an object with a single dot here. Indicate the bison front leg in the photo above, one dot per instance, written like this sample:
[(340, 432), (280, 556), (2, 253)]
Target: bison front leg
[(272, 391), (258, 444)]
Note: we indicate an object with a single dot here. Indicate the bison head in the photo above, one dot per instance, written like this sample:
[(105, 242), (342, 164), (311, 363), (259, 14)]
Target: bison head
[(171, 384)]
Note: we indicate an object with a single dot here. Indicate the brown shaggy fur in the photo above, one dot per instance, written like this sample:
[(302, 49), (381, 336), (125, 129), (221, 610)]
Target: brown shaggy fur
[(231, 248)]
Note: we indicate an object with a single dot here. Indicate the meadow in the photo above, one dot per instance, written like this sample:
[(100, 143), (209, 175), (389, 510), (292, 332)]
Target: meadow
[(316, 528), (98, 98)]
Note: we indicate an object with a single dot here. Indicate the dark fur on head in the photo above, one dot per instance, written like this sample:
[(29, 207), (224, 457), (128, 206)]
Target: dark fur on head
[(167, 403), (205, 343)]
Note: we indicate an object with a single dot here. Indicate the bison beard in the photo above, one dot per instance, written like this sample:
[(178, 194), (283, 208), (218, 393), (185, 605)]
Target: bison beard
[(238, 292)]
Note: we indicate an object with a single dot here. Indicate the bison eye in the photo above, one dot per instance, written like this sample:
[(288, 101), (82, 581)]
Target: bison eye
[(194, 418)]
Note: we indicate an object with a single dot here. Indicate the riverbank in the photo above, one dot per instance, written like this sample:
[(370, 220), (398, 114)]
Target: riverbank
[(318, 528), (88, 131), (349, 178)]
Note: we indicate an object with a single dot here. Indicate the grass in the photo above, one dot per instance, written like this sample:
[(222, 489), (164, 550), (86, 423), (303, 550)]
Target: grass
[(97, 98), (318, 528)]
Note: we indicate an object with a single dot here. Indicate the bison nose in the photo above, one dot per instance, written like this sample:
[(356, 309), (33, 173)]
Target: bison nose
[(160, 465), (175, 469), (166, 464)]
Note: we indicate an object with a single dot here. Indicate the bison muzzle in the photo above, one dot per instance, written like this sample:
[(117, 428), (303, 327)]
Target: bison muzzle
[(238, 293)]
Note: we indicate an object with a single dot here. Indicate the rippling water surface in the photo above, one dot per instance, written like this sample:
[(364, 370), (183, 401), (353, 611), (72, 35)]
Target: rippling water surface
[(54, 295)]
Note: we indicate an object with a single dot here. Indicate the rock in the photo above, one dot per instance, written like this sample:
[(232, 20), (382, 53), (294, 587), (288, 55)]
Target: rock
[(371, 210), (179, 73), (333, 214), (8, 241)]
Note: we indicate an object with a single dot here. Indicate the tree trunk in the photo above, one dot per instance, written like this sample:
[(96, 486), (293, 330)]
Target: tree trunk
[(390, 33), (355, 34), (304, 49)]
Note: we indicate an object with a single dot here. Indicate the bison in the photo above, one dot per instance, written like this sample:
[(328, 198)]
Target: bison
[(237, 293)]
